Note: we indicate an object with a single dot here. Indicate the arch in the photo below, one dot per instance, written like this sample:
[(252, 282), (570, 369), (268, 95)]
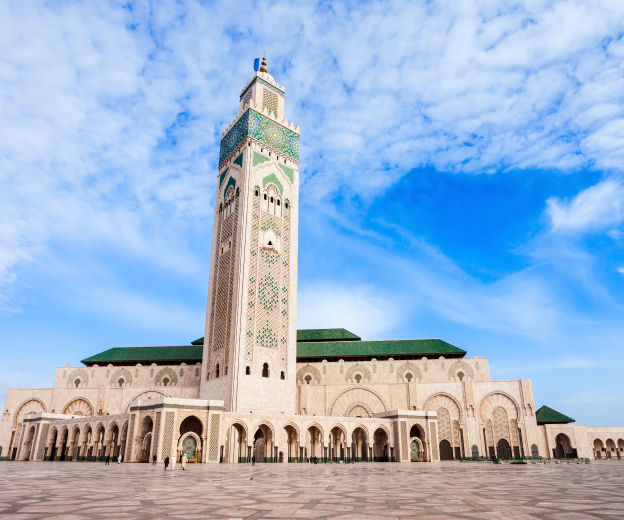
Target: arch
[(381, 444), (358, 368), (460, 366), (308, 369), (341, 427), (354, 406), (418, 430), (269, 426), (237, 422), (121, 373), (21, 408), (318, 427), (151, 391), (441, 400), (166, 373), (408, 367), (360, 442), (78, 374), (78, 406), (190, 448), (88, 428), (417, 450), (357, 387), (109, 431), (493, 400), (563, 446), (191, 423), (503, 449)]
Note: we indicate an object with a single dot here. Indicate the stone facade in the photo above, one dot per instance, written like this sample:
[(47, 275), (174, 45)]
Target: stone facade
[(251, 395)]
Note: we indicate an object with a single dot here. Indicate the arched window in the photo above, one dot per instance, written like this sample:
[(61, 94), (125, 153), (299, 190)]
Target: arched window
[(256, 192), (120, 382), (272, 204), (460, 376), (165, 381), (282, 375), (217, 371), (308, 379), (358, 378), (265, 196), (265, 370), (226, 371), (247, 371), (77, 383), (409, 376)]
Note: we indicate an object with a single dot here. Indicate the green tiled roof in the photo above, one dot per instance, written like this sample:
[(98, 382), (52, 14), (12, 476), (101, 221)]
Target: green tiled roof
[(307, 335), (399, 347), (148, 355), (199, 341), (546, 415)]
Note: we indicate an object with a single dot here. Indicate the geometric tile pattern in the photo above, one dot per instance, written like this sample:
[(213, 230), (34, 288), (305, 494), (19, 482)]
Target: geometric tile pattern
[(167, 435), (42, 441), (262, 129), (501, 425), (213, 454), (156, 434), (434, 441), (363, 491), (444, 425), (262, 82), (130, 437), (403, 440), (253, 276)]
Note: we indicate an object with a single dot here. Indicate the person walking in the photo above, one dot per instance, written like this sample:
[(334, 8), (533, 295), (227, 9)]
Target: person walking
[(107, 460), (173, 463), (253, 460), (167, 462), (153, 460), (184, 461), (119, 459)]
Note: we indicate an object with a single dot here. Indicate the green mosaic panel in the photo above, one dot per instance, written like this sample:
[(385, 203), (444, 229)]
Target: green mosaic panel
[(231, 182), (268, 293), (222, 176), (273, 178), (289, 172), (263, 130), (258, 158), (239, 160), (266, 336), (262, 82)]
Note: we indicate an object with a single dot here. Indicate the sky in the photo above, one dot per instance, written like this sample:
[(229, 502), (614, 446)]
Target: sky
[(461, 177)]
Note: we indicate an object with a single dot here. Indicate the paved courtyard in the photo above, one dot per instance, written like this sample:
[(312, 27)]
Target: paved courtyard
[(77, 491)]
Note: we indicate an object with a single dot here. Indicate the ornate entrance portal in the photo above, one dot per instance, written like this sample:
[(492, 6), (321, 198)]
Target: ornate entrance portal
[(415, 451), (189, 447)]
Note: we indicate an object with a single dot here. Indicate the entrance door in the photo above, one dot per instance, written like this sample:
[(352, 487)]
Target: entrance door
[(415, 451), (446, 451), (504, 450), (189, 447)]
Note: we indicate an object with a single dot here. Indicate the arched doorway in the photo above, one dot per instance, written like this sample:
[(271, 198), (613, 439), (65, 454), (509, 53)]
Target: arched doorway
[(337, 441), (28, 444), (416, 450), (292, 444), (598, 448), (237, 445), (503, 449), (610, 449), (259, 445), (359, 445), (86, 447), (50, 450), (380, 446), (191, 431), (61, 452), (563, 448), (446, 450), (144, 439), (315, 441)]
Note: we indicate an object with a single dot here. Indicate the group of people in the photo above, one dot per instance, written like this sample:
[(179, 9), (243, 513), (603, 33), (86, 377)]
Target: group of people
[(183, 461), (109, 458)]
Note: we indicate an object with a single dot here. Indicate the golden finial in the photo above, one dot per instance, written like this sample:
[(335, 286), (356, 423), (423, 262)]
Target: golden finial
[(263, 67)]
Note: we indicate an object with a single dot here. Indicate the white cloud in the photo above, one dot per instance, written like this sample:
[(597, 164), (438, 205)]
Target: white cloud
[(595, 208), (620, 270), (360, 310)]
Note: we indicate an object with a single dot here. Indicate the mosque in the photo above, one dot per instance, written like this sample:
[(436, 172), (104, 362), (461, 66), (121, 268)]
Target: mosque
[(255, 386)]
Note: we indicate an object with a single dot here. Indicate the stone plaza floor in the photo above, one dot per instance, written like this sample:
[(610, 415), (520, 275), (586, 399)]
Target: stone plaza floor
[(83, 490)]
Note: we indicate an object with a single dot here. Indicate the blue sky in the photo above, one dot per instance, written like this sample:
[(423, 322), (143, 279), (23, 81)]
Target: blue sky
[(461, 177)]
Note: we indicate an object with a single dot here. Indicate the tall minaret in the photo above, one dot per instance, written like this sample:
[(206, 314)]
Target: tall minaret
[(250, 343)]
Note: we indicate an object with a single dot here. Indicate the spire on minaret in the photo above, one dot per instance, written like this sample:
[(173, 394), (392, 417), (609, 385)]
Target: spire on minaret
[(263, 67)]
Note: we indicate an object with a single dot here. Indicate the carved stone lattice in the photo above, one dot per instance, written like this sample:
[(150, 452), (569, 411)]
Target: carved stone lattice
[(253, 277), (404, 452), (283, 346), (215, 420), (489, 433), (167, 434), (514, 433), (434, 441), (130, 438), (501, 424), (411, 368), (156, 434), (42, 441), (456, 436), (444, 425)]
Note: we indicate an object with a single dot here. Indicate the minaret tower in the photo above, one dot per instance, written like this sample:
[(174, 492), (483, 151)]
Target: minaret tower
[(250, 344)]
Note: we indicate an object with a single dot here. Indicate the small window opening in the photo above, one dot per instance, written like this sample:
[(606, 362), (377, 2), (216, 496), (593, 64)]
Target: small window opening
[(226, 370), (358, 378), (247, 371), (278, 202), (460, 376), (257, 193), (287, 205), (165, 381), (217, 371), (265, 370), (408, 376), (77, 383), (270, 243), (265, 196), (271, 199), (282, 375), (308, 379), (120, 382)]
